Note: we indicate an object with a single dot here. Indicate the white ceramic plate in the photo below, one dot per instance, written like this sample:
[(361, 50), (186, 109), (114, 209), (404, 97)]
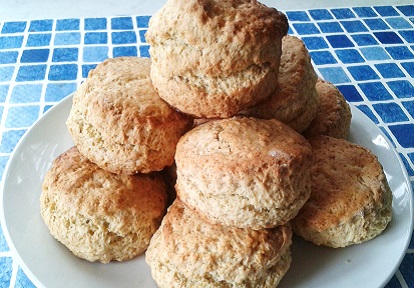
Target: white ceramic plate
[(50, 264)]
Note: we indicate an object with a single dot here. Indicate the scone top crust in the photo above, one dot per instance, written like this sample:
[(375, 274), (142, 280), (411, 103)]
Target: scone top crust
[(213, 34), (99, 194), (198, 249), (119, 122), (294, 101), (123, 101), (245, 172), (333, 117), (242, 144), (348, 183), (240, 138)]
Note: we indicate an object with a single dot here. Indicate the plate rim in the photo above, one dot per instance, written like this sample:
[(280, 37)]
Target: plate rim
[(4, 225), (68, 98)]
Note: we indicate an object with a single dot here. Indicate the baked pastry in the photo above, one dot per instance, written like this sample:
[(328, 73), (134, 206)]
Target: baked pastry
[(244, 172), (213, 58), (333, 117), (351, 201), (294, 101), (119, 122), (98, 215), (188, 251)]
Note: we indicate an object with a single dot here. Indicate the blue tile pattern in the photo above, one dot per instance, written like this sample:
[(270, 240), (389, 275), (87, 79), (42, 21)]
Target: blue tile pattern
[(96, 38), (386, 11), (375, 91), (398, 23), (34, 56), (374, 53), (3, 92), (121, 23), (38, 40), (365, 12), (354, 26), (8, 57), (339, 41), (31, 73), (330, 27), (95, 23), (4, 247), (65, 55), (10, 42), (95, 53), (67, 24), (320, 14), (13, 27), (63, 72), (364, 39), (26, 93), (351, 93), (67, 38), (343, 13), (389, 70), (22, 281), (6, 269), (41, 25), (367, 52), (348, 56)]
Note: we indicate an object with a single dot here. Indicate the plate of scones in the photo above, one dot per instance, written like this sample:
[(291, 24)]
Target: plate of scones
[(223, 160)]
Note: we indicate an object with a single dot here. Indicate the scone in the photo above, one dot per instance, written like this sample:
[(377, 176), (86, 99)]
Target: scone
[(294, 101), (244, 172), (119, 122), (187, 251), (351, 201), (98, 215), (213, 58), (333, 117)]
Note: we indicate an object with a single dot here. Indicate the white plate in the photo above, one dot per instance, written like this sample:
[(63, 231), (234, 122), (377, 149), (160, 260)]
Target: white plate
[(49, 264)]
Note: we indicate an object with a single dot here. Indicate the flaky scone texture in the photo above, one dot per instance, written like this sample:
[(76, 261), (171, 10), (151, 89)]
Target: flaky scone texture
[(119, 122), (294, 101), (214, 58), (245, 172), (334, 116), (351, 201), (98, 215), (188, 251)]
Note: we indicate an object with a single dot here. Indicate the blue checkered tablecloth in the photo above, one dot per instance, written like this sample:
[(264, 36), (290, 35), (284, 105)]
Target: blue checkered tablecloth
[(367, 52)]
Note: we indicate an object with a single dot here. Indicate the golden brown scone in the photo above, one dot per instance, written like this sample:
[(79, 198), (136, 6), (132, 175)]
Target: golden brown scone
[(188, 251), (351, 201), (214, 58), (119, 122), (333, 117), (294, 101), (98, 215), (245, 172)]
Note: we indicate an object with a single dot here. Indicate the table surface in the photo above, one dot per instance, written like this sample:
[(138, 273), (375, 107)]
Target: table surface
[(46, 52)]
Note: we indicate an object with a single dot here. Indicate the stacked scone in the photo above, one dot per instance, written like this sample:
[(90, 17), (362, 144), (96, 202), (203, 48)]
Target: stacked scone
[(232, 111), (244, 174), (239, 180), (105, 197)]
